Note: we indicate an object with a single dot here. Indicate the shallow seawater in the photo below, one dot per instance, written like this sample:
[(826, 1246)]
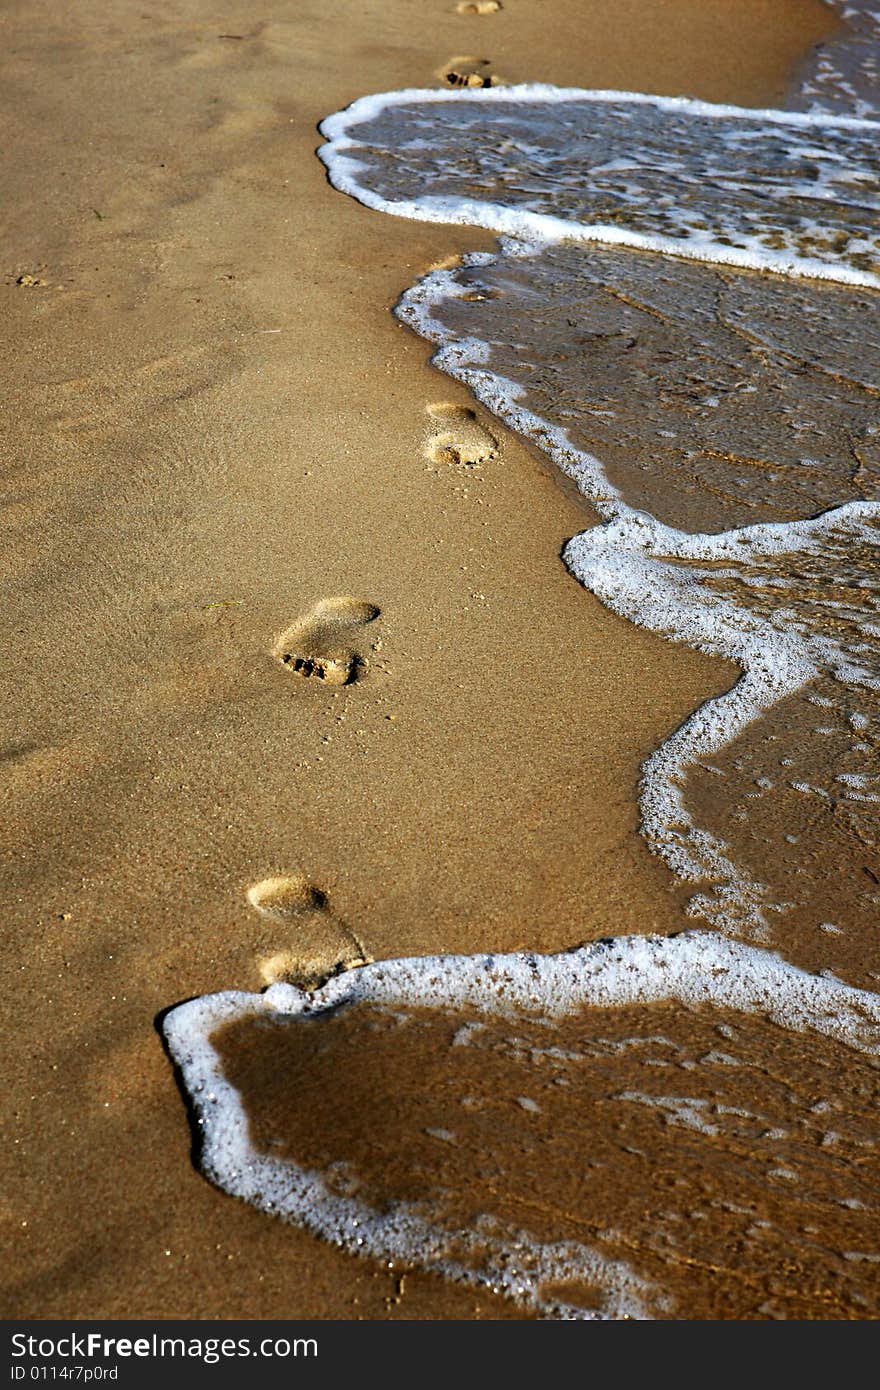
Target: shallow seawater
[(684, 314), (730, 1166), (713, 397), (642, 1127), (844, 76), (682, 174)]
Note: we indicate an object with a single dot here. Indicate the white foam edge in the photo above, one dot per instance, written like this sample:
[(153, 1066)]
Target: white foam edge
[(625, 564), (694, 968), (622, 563), (343, 168), (367, 108), (465, 358)]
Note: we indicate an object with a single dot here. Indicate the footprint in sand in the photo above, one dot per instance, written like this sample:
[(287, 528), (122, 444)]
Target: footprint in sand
[(322, 646), (460, 437), (466, 71), (478, 6), (317, 944)]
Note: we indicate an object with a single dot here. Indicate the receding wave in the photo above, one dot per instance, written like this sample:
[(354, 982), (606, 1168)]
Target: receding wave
[(619, 1131), (707, 397), (793, 192)]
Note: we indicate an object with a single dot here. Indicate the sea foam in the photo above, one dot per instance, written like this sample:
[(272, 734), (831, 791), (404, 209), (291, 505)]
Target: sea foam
[(694, 971), (791, 192)]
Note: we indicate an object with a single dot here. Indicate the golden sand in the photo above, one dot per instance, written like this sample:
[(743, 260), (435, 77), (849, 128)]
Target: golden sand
[(215, 429)]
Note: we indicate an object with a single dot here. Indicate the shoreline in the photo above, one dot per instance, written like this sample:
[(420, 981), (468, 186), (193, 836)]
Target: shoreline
[(176, 514)]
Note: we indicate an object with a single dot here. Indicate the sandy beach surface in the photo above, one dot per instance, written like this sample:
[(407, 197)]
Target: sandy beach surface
[(214, 427)]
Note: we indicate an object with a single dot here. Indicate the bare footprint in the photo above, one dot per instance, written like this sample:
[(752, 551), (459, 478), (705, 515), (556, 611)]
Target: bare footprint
[(461, 438), (478, 6), (317, 943), (322, 646), (465, 71)]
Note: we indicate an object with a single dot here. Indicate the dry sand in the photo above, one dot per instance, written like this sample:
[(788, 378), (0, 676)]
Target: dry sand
[(214, 425)]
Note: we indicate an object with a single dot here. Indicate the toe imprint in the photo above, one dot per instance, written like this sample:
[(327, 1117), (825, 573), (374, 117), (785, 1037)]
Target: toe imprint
[(322, 646), (468, 72)]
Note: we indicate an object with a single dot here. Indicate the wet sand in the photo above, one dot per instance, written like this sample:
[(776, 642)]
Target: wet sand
[(215, 425), (730, 1167)]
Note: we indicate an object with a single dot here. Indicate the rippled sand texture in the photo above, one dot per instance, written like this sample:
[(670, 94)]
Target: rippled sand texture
[(720, 399)]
